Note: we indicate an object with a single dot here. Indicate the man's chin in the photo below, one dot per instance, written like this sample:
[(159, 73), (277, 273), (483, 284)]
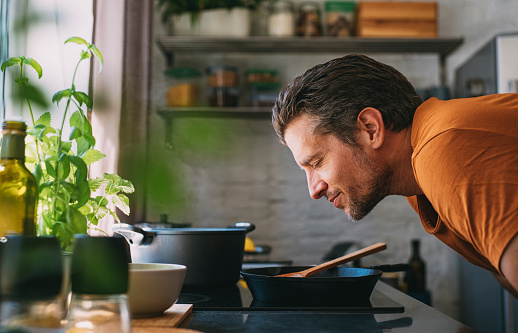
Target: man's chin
[(356, 214)]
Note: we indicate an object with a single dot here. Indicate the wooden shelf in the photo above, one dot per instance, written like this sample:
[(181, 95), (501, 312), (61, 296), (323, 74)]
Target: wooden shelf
[(218, 112), (255, 44), (172, 45)]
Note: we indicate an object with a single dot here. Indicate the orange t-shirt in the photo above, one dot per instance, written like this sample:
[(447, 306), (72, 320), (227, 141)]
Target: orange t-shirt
[(465, 160)]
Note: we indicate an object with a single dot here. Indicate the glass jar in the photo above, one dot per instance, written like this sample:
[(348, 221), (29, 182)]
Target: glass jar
[(340, 18), (281, 22), (309, 23), (223, 96), (183, 88), (99, 286), (264, 94), (32, 275), (223, 76)]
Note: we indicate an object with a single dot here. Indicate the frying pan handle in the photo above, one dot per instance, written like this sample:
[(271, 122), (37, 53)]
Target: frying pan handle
[(134, 235)]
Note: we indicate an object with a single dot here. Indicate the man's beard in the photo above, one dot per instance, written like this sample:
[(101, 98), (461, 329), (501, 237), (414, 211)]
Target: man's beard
[(375, 189)]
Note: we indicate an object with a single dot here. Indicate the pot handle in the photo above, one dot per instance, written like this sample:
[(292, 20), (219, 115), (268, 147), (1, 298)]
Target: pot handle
[(249, 227), (134, 235)]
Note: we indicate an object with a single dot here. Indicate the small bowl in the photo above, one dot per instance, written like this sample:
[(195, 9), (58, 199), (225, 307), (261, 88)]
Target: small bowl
[(154, 288)]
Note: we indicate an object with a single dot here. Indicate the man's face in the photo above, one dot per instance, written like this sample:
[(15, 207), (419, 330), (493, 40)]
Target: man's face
[(345, 175)]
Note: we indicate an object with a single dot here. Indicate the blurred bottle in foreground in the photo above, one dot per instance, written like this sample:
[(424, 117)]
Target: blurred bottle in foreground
[(18, 187), (414, 282), (32, 273), (99, 286)]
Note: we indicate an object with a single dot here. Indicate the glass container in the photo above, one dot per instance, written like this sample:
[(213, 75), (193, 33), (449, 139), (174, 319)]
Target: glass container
[(32, 275), (340, 18), (223, 76), (99, 286), (309, 23), (184, 86), (281, 22), (18, 187)]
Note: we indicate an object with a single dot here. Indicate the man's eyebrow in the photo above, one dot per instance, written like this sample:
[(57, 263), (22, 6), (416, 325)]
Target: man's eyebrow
[(307, 160)]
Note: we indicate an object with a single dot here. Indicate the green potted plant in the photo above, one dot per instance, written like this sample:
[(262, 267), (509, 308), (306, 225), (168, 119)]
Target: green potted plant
[(66, 205), (208, 17)]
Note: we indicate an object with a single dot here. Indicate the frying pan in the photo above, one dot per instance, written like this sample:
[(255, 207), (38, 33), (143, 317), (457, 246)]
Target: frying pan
[(339, 286)]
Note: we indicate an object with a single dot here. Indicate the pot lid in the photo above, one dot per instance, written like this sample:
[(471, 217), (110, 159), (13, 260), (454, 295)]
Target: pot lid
[(196, 231)]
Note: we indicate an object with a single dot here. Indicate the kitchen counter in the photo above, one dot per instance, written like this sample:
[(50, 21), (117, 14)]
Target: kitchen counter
[(413, 317)]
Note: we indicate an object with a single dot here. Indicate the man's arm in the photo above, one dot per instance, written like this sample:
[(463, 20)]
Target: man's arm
[(509, 267)]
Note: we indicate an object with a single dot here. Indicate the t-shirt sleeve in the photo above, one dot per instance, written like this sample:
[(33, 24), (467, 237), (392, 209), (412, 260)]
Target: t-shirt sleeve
[(474, 190)]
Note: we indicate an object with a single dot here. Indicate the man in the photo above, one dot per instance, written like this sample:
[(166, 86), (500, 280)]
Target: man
[(361, 133)]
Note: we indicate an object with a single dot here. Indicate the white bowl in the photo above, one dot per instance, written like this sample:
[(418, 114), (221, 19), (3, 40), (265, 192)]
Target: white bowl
[(154, 288)]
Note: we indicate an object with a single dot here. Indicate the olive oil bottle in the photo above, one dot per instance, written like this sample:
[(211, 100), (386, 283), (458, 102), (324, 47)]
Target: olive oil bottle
[(18, 187)]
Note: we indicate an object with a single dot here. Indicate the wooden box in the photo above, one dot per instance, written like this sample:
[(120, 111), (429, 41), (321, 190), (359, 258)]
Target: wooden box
[(397, 19)]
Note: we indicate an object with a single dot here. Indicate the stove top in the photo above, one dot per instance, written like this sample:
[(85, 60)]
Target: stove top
[(238, 298)]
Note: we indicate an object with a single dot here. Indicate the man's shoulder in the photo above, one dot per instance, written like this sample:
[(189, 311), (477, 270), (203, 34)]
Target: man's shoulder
[(486, 114)]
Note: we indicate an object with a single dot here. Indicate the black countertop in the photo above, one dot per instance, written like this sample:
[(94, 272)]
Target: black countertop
[(413, 316)]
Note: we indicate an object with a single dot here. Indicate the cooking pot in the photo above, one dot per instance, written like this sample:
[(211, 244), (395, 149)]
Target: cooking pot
[(339, 286), (213, 256)]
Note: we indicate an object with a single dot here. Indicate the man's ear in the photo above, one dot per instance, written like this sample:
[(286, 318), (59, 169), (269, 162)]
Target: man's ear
[(372, 127)]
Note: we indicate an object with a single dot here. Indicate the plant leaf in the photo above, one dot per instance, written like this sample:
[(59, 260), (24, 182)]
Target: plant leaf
[(34, 64), (81, 98), (102, 212), (95, 51), (50, 168), (60, 95), (92, 155), (74, 133), (38, 172), (77, 40), (76, 221), (66, 146), (44, 119), (114, 215), (10, 62), (63, 166), (121, 201), (81, 173), (96, 183)]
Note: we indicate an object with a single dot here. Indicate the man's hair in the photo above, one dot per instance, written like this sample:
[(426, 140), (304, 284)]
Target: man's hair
[(335, 93)]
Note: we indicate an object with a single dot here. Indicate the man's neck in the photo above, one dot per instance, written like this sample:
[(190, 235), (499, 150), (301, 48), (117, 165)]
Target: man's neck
[(399, 156)]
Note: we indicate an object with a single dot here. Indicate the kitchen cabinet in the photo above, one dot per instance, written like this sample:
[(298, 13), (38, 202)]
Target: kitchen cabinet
[(173, 45)]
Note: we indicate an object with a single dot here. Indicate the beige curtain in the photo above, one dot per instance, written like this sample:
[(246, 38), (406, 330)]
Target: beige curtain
[(123, 33)]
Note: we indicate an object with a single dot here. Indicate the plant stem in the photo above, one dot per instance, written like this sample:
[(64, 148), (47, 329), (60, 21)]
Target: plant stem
[(56, 180)]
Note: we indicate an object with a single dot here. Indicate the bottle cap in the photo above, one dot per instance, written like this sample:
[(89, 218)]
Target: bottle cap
[(14, 124), (32, 268), (100, 265), (340, 6)]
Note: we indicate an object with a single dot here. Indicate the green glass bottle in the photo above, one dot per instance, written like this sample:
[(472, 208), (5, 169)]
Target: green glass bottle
[(18, 187)]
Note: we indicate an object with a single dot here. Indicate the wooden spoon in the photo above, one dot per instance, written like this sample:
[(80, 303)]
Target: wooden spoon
[(340, 260)]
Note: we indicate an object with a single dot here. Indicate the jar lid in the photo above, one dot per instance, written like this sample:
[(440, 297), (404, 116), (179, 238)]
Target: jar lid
[(100, 265), (250, 71), (219, 68), (309, 5), (282, 4), (32, 268), (340, 6), (182, 72)]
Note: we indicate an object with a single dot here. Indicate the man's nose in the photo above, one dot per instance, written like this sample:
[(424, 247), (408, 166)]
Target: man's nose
[(317, 186)]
